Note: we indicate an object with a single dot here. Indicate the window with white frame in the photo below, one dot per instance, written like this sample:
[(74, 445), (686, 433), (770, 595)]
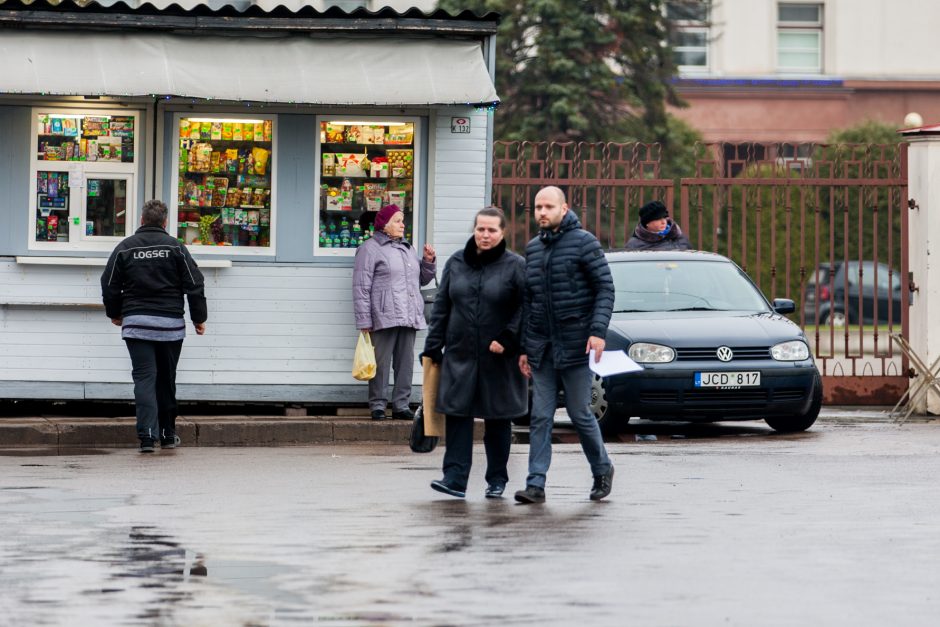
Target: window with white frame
[(799, 38), (689, 34), (366, 162), (225, 174), (83, 178)]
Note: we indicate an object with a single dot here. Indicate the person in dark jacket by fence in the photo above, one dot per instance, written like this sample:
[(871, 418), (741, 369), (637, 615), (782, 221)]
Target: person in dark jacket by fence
[(142, 287), (474, 333), (568, 301), (656, 230)]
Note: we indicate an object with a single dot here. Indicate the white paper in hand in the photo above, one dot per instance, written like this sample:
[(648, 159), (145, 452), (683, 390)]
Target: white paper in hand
[(613, 362)]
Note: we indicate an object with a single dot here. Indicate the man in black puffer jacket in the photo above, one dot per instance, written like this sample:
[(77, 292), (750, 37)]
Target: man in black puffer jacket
[(569, 297), (142, 287)]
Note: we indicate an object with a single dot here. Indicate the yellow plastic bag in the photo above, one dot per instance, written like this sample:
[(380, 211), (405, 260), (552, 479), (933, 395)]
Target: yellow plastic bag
[(364, 360)]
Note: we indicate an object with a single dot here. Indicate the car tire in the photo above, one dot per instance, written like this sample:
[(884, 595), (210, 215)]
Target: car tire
[(836, 318), (800, 422), (600, 407)]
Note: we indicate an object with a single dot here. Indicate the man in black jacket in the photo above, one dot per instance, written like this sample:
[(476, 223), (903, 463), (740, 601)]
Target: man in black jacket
[(142, 287), (569, 297)]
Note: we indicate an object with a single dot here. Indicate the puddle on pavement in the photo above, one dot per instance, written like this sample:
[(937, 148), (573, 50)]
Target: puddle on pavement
[(50, 452)]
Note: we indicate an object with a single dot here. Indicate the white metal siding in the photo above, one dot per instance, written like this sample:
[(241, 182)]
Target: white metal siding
[(459, 174), (267, 324)]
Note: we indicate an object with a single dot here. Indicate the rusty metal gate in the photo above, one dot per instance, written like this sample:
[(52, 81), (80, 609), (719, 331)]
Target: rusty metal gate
[(824, 225)]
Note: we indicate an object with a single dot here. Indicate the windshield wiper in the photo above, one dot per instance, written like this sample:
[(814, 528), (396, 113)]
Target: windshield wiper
[(694, 309), (631, 311)]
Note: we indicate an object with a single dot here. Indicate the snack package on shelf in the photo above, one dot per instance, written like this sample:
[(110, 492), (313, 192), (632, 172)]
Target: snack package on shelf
[(401, 163), (329, 164), (349, 164), (238, 131), (379, 168), (400, 135), (355, 134), (268, 132), (396, 198), (373, 193), (200, 157), (335, 133), (261, 157)]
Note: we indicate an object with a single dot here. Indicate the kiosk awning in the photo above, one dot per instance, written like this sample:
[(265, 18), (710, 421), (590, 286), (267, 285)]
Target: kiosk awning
[(301, 69)]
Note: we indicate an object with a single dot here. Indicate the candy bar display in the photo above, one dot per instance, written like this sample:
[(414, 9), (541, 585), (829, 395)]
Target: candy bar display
[(225, 173), (85, 137), (52, 206), (363, 166)]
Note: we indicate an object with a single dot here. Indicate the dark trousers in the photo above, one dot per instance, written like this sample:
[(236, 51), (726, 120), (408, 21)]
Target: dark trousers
[(154, 373), (394, 348), (458, 455)]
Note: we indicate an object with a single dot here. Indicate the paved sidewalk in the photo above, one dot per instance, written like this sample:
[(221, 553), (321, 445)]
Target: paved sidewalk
[(82, 432)]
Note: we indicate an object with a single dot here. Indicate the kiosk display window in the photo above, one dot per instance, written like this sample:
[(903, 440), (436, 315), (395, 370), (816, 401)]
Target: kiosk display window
[(224, 184), (364, 164), (84, 169)]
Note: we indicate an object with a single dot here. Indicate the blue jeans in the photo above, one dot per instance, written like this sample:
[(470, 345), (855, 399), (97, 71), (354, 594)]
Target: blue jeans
[(577, 386)]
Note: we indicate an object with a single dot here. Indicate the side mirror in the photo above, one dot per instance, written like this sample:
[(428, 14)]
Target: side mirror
[(784, 305)]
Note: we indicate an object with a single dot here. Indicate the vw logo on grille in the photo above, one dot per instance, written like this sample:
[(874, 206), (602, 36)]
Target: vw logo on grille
[(724, 353)]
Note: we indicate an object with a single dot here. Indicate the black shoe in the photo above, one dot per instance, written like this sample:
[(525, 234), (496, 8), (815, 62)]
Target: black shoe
[(602, 484), (146, 445), (531, 494), (378, 414), (171, 442), (495, 491), (442, 486), (403, 414)]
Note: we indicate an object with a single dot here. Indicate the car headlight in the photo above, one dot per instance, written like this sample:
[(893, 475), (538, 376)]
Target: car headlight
[(794, 350), (645, 353)]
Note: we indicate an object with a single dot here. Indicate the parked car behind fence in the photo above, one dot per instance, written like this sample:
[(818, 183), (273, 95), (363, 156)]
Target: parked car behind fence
[(853, 293)]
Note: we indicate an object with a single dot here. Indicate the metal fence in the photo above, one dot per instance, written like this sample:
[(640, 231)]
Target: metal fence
[(824, 225)]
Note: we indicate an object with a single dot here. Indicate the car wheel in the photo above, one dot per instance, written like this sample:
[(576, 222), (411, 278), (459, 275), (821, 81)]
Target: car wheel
[(600, 407), (800, 422), (835, 318)]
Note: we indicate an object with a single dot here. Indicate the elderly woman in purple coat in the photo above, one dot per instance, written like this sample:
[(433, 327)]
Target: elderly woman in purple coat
[(387, 302)]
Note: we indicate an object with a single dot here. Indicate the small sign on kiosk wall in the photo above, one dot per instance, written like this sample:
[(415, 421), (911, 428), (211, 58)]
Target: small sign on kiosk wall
[(460, 125)]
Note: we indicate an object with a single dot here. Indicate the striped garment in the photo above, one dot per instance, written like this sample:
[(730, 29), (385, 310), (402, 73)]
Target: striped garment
[(153, 328)]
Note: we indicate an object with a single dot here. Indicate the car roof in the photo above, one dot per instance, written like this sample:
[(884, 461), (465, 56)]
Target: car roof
[(665, 255)]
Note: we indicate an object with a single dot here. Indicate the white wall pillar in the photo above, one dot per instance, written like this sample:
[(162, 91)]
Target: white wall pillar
[(924, 249)]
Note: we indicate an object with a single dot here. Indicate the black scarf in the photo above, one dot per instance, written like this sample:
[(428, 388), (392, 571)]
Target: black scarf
[(480, 259)]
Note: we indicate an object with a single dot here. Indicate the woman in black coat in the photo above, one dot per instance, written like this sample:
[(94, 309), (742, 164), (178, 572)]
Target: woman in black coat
[(474, 335)]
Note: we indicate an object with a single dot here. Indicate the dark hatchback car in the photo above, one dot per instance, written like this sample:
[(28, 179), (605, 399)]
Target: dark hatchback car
[(850, 293), (712, 347)]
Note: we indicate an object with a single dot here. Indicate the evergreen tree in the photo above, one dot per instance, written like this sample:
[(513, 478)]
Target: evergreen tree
[(582, 70)]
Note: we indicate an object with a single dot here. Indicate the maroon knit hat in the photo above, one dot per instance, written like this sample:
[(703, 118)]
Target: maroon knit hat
[(383, 217)]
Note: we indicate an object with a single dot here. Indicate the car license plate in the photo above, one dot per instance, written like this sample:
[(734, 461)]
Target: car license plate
[(727, 379)]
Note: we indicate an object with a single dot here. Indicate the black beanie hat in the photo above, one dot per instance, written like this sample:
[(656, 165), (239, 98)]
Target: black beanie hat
[(653, 210)]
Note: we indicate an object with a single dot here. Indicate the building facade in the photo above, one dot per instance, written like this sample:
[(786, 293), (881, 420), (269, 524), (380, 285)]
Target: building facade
[(773, 70)]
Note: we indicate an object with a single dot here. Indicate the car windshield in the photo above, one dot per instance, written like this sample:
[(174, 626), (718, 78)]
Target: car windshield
[(687, 285)]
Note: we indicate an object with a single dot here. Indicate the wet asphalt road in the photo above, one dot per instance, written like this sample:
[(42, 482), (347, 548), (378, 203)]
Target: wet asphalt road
[(722, 525)]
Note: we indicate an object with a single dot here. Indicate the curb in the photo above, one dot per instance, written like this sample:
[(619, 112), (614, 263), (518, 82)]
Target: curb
[(63, 432)]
